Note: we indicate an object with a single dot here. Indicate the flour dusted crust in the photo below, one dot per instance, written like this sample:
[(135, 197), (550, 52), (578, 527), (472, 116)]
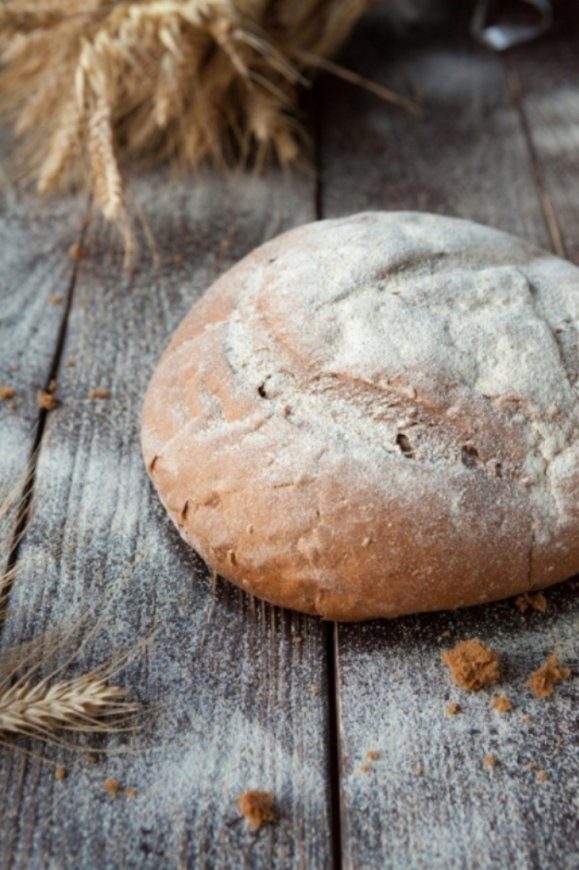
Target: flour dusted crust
[(376, 415)]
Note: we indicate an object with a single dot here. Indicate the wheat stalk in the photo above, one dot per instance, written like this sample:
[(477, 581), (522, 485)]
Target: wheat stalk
[(89, 83), (86, 703)]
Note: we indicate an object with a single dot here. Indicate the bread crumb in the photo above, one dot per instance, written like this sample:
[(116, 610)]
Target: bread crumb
[(131, 792), (536, 602), (55, 300), (446, 633), (542, 775), (372, 755), (418, 770), (112, 786), (542, 681), (6, 393), (258, 807), (60, 773), (559, 740), (531, 765), (501, 704), (490, 761), (314, 690), (297, 640), (98, 393), (452, 709), (472, 664), (527, 720), (46, 400), (68, 363), (76, 252), (90, 758), (364, 768)]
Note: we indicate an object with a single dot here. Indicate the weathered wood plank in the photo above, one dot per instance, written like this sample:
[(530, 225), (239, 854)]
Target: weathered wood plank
[(241, 686), (544, 80), (467, 156), (35, 269)]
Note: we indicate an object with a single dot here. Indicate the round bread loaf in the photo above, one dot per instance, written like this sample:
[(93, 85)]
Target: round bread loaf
[(376, 415)]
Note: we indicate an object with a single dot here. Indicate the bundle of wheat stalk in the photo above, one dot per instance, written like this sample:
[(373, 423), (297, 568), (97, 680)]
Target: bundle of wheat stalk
[(89, 83)]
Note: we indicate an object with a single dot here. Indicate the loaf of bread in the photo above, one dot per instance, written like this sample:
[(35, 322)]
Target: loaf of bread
[(376, 415)]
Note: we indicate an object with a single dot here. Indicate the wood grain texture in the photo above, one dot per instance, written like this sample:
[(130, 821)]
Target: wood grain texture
[(430, 800), (241, 687), (35, 267)]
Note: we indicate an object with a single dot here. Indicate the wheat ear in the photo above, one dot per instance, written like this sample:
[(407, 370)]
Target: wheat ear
[(85, 703)]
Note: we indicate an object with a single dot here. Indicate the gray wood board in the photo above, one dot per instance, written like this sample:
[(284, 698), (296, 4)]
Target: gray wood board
[(243, 704), (35, 265), (467, 156)]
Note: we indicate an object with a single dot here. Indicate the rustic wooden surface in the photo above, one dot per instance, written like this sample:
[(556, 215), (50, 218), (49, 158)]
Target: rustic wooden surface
[(248, 695)]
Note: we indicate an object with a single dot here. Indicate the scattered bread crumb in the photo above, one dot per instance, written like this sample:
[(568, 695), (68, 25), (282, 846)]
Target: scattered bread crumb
[(418, 770), (372, 755), (112, 786), (501, 704), (452, 709), (131, 791), (559, 740), (472, 664), (536, 602), (55, 300), (490, 761), (531, 765), (46, 400), (314, 690), (6, 393), (76, 252), (527, 719), (98, 393), (258, 807), (542, 681), (446, 633), (364, 768), (60, 773), (542, 775), (69, 363), (90, 758)]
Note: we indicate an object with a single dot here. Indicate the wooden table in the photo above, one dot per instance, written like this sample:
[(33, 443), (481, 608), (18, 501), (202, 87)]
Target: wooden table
[(240, 694)]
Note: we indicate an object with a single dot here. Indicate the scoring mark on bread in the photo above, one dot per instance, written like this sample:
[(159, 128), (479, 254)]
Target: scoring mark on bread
[(404, 444)]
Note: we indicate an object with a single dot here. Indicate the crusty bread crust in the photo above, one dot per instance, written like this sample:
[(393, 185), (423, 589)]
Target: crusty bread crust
[(376, 415)]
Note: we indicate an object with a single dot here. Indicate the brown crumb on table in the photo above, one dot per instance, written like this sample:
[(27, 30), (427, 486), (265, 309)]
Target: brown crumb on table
[(90, 758), (372, 755), (472, 664), (55, 300), (99, 393), (60, 773), (131, 791), (68, 363), (542, 681), (364, 768), (76, 252), (527, 720), (536, 602), (446, 633), (531, 765), (112, 786), (46, 399), (452, 709), (490, 761), (542, 775), (501, 704), (559, 740), (258, 807), (6, 393), (418, 770)]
